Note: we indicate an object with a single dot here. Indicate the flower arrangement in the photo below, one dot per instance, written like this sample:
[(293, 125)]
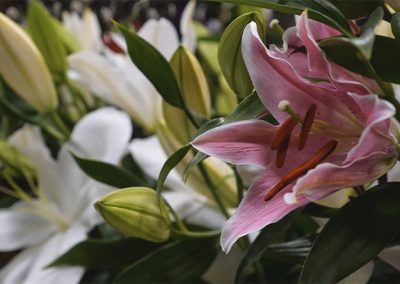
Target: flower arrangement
[(141, 149)]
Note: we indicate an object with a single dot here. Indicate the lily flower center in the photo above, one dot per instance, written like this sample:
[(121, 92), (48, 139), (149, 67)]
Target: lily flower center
[(281, 143)]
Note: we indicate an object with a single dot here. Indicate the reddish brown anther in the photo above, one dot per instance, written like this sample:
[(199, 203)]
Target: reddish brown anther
[(306, 126), (111, 44), (322, 154), (283, 132), (281, 152)]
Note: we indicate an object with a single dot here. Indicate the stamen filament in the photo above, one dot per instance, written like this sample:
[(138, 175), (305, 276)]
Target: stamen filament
[(306, 126), (322, 153), (283, 132)]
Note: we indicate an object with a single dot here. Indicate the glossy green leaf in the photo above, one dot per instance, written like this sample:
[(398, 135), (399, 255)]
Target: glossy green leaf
[(261, 244), (178, 262), (154, 66), (355, 235), (105, 254), (230, 54), (395, 23), (170, 164), (385, 52), (355, 9), (46, 36), (320, 10), (108, 173)]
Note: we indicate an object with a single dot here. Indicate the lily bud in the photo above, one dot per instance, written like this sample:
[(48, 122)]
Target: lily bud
[(135, 212), (23, 67)]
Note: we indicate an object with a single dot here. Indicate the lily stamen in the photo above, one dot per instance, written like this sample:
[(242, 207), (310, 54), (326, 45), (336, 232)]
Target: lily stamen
[(283, 132), (281, 152), (306, 126), (111, 44), (322, 154)]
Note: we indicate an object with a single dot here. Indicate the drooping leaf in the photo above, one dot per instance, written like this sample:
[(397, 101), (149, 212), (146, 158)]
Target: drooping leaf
[(154, 66), (355, 235), (230, 54), (46, 36), (260, 245), (109, 174), (355, 9), (395, 23), (385, 52), (320, 10), (105, 254), (170, 164), (182, 261)]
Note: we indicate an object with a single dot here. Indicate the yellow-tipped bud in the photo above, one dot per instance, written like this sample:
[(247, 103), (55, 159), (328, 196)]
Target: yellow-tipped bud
[(135, 212), (23, 67)]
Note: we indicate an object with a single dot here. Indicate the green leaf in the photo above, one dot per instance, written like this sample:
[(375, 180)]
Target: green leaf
[(261, 244), (46, 36), (355, 9), (170, 164), (230, 54), (363, 45), (105, 254), (154, 66), (177, 262), (395, 23), (385, 52), (109, 174), (320, 10), (355, 235)]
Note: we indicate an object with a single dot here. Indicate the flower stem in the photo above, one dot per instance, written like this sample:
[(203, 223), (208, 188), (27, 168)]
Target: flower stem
[(59, 123), (213, 190)]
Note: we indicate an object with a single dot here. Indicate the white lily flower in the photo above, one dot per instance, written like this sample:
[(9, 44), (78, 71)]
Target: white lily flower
[(86, 30), (62, 214)]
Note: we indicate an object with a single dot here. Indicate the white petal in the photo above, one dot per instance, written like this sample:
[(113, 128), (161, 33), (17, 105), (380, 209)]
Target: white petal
[(91, 32), (49, 251), (21, 228), (15, 271), (188, 32), (161, 34), (392, 256), (184, 203), (117, 81), (360, 276), (208, 217), (29, 141), (101, 135)]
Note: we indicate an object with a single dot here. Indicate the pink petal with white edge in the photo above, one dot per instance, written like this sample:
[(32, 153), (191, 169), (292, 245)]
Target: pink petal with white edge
[(242, 143), (254, 213)]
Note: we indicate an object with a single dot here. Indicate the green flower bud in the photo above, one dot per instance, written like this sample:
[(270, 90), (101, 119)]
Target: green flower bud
[(23, 67), (135, 212), (14, 162)]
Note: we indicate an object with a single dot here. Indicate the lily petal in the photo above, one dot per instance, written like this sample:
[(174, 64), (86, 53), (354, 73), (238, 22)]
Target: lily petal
[(29, 141), (254, 213), (21, 228), (391, 255), (162, 35), (188, 32)]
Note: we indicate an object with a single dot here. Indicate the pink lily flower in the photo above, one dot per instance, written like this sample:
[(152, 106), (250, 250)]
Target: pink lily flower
[(333, 132)]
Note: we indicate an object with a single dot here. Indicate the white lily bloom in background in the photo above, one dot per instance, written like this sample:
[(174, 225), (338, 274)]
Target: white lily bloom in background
[(62, 214), (86, 30), (115, 79)]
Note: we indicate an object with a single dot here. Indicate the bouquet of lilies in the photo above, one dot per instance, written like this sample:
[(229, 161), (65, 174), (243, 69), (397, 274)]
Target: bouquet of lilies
[(236, 150)]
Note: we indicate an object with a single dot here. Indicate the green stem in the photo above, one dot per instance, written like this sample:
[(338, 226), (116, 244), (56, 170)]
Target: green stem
[(59, 123), (213, 190), (196, 235)]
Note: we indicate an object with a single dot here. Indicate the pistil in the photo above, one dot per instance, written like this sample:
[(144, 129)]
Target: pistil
[(322, 154)]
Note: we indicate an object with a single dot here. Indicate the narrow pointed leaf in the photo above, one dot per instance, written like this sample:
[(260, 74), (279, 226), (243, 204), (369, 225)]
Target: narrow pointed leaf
[(395, 23), (320, 10), (154, 66), (109, 174), (178, 262), (355, 9), (354, 236)]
